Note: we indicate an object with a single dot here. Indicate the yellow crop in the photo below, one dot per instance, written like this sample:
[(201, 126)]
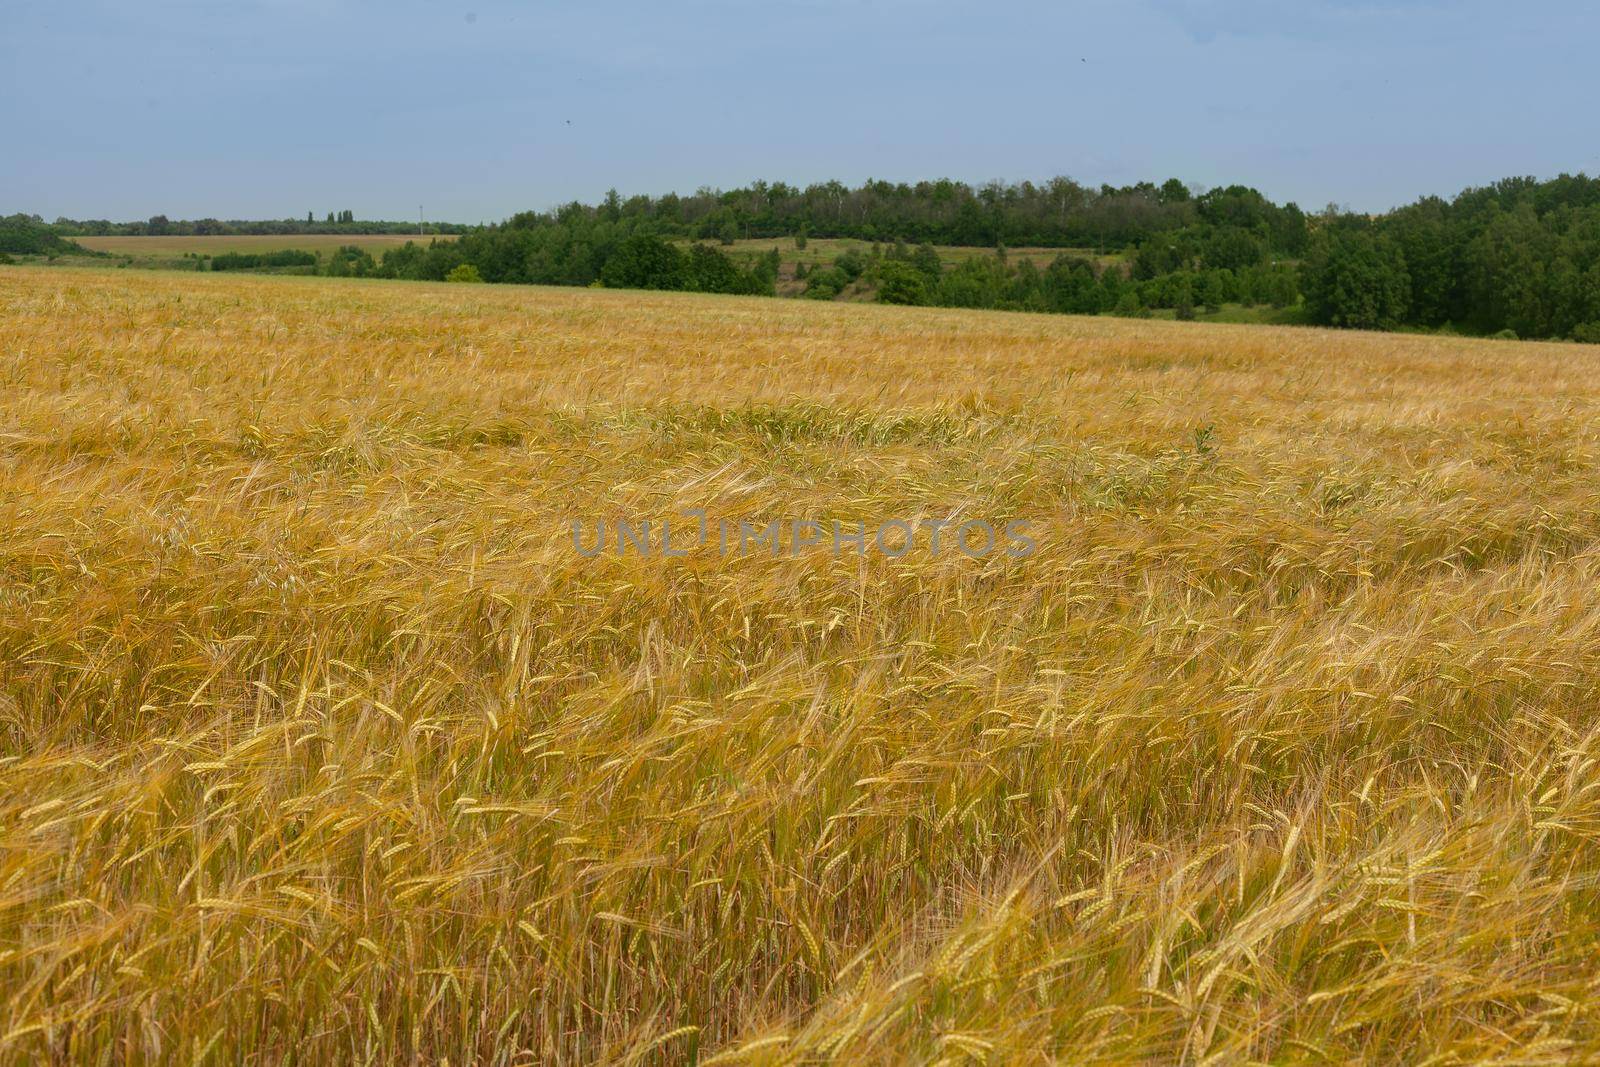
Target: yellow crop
[(319, 742)]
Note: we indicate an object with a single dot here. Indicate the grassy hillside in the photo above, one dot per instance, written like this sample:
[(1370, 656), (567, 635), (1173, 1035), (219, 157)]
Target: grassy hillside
[(319, 737)]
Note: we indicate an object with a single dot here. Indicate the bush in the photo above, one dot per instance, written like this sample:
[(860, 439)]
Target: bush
[(851, 263), (901, 283), (1503, 335), (350, 261), (464, 272), (644, 261), (1128, 305), (26, 235), (288, 257), (1587, 333), (826, 283)]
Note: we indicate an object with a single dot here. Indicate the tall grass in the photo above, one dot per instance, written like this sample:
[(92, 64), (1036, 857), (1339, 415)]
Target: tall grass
[(319, 742)]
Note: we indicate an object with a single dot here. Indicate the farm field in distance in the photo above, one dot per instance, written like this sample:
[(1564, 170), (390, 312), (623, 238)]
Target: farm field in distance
[(220, 244), (320, 738)]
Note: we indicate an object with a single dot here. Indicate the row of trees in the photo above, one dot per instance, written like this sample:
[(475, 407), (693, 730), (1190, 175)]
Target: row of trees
[(288, 257), (161, 226), (27, 235), (583, 248), (605, 255), (1069, 284), (1521, 256), (1059, 213)]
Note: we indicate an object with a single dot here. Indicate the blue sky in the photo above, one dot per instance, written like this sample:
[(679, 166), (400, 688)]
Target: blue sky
[(477, 108)]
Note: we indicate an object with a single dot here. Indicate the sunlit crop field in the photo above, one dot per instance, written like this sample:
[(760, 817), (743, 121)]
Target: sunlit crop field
[(320, 741)]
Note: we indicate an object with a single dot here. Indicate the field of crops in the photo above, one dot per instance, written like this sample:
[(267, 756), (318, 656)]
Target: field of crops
[(320, 739)]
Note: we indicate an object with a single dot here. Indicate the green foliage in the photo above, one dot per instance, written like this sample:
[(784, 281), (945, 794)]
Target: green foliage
[(161, 226), (851, 264), (826, 283), (288, 257), (1183, 303), (28, 235), (350, 261), (1518, 255), (1069, 286), (900, 282), (979, 282), (416, 263), (644, 261), (464, 272), (1357, 280), (1129, 306)]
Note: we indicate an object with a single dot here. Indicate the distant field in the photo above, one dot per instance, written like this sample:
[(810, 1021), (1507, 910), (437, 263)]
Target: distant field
[(321, 741), (218, 245)]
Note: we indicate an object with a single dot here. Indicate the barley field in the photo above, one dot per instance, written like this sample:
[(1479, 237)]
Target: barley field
[(321, 741)]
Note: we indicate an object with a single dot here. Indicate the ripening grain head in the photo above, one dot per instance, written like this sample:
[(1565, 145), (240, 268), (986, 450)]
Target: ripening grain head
[(319, 740)]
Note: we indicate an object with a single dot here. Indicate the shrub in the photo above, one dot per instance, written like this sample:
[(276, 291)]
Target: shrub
[(901, 283), (464, 272), (26, 235), (288, 257), (645, 261)]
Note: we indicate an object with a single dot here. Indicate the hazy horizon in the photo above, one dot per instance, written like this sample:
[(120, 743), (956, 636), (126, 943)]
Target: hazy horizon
[(478, 109)]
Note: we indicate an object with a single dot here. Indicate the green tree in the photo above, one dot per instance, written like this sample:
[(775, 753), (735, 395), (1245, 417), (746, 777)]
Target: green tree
[(1358, 281), (899, 282), (645, 261), (1128, 304), (1183, 296), (1174, 191)]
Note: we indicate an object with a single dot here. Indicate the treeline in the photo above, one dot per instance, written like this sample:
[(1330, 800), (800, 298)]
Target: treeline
[(1059, 213), (580, 252), (1229, 245), (288, 257), (1520, 256), (160, 226), (1070, 284), (26, 235)]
